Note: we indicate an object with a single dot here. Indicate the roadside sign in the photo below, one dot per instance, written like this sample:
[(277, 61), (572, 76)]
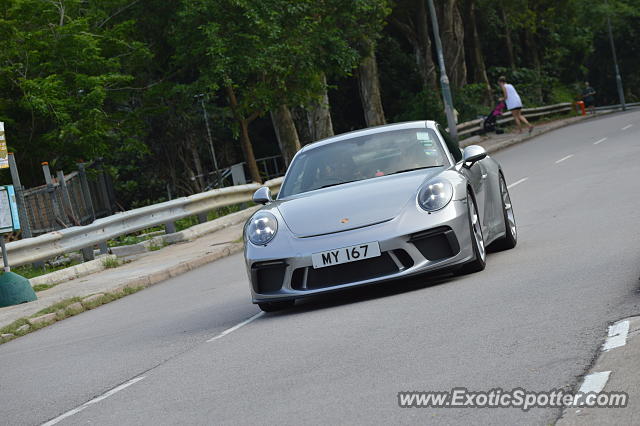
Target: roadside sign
[(4, 152), (9, 220)]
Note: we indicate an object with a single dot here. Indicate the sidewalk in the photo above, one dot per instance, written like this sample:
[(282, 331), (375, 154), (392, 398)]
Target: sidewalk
[(148, 268)]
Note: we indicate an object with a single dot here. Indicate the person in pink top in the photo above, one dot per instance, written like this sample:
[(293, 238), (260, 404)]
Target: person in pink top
[(514, 103)]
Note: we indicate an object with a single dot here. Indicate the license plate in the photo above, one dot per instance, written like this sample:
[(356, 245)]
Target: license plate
[(345, 255)]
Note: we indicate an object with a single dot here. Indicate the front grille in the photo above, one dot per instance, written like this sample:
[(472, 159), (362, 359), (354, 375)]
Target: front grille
[(437, 243), (267, 277), (345, 273)]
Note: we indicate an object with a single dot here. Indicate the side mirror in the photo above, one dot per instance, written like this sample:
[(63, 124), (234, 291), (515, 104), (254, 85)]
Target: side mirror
[(472, 154), (262, 195)]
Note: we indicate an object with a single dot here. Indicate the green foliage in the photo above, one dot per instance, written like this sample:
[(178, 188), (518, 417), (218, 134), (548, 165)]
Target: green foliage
[(117, 78)]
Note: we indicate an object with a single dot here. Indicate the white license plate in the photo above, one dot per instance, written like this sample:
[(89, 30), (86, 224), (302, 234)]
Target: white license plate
[(345, 255)]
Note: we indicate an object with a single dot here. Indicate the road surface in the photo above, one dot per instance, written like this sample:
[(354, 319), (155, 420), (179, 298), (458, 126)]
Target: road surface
[(533, 319)]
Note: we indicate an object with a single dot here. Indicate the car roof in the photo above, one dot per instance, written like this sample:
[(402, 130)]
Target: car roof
[(370, 131)]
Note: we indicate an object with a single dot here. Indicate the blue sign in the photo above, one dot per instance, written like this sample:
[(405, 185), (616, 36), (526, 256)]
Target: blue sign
[(9, 220)]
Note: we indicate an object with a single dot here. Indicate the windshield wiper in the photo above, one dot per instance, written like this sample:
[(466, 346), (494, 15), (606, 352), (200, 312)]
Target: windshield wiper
[(415, 168), (339, 183)]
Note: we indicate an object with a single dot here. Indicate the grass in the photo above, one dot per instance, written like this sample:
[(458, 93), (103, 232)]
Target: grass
[(63, 310), (111, 262), (41, 287), (28, 271)]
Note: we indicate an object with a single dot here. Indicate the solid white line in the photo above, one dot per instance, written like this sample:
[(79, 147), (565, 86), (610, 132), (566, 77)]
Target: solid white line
[(627, 126), (564, 158), (617, 335), (518, 182), (595, 382), (600, 141), (93, 401), (235, 327)]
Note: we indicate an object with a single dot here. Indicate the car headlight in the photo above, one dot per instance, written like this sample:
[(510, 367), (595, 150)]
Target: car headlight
[(435, 195), (262, 228)]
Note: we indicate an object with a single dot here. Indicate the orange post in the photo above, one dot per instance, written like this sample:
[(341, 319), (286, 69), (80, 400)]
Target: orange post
[(580, 104)]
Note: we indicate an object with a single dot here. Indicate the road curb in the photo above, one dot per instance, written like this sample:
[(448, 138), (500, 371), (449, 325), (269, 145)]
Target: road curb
[(73, 272)]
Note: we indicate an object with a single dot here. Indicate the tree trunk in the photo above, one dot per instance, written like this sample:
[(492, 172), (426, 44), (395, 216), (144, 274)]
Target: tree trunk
[(370, 88), (247, 150), (319, 115), (313, 121), (245, 140), (509, 42), (477, 58), (417, 34), (452, 35), (285, 132), (200, 180), (425, 63), (532, 48)]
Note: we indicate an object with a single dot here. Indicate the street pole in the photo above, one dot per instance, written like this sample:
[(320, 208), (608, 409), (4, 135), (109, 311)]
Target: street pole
[(213, 152), (615, 60), (444, 80)]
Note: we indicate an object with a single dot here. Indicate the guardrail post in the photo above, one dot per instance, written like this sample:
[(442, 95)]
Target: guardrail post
[(170, 228), (86, 192), (104, 248), (87, 254), (202, 217)]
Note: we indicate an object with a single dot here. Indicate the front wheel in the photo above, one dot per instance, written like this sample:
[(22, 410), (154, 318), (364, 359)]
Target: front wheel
[(477, 240), (276, 306), (510, 238)]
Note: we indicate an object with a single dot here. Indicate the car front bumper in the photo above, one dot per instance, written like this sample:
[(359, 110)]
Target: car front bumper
[(412, 243)]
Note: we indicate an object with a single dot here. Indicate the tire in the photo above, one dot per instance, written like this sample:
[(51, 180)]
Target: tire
[(477, 240), (276, 306), (510, 238)]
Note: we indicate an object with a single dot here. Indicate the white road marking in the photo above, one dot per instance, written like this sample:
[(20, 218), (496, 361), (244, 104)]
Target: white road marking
[(235, 327), (518, 182), (627, 126), (600, 141), (93, 401), (564, 158), (617, 335), (595, 382)]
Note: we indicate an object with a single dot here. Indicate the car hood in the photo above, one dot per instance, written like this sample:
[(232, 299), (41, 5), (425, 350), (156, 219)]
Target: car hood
[(351, 205)]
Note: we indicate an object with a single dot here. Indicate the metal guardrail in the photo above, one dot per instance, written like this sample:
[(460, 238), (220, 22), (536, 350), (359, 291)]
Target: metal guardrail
[(470, 127), (55, 243)]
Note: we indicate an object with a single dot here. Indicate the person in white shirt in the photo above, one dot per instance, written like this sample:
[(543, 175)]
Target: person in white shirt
[(514, 104)]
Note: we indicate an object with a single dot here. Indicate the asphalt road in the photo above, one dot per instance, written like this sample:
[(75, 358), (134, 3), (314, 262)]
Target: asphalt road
[(533, 319)]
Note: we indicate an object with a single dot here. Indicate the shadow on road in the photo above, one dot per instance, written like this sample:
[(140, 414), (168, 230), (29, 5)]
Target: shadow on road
[(368, 292)]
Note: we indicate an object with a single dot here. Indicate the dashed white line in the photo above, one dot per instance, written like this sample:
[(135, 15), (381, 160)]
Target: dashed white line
[(627, 126), (595, 382), (599, 141), (235, 327), (518, 182), (93, 401), (564, 158), (617, 335)]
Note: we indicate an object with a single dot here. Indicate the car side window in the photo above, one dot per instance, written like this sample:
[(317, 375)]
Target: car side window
[(452, 146)]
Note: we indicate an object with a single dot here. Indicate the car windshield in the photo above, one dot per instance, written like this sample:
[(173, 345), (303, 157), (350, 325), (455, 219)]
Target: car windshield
[(363, 157)]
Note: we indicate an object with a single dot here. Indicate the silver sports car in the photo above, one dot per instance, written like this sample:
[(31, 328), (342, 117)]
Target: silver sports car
[(375, 205)]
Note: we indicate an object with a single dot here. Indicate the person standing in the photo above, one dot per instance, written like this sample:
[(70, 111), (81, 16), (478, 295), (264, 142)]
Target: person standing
[(588, 97), (514, 103)]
